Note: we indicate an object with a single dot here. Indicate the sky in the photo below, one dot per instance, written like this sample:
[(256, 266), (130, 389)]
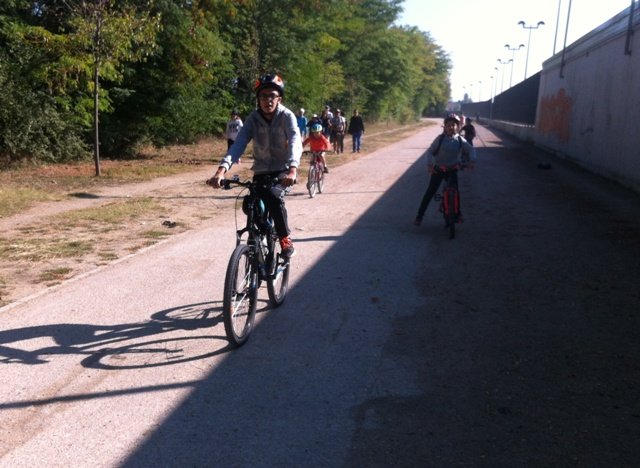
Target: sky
[(474, 34)]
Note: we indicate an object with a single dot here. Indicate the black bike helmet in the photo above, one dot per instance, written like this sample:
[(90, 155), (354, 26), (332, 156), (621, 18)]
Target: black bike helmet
[(271, 81), (453, 117)]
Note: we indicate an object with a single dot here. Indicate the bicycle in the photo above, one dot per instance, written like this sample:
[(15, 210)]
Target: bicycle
[(315, 179), (450, 197), (257, 257)]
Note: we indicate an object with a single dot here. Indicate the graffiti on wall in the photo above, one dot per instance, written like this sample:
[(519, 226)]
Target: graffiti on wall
[(554, 116)]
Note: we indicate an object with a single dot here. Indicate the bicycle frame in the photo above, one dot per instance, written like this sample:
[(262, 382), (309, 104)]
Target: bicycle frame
[(450, 197), (315, 182), (316, 160), (259, 225), (256, 259)]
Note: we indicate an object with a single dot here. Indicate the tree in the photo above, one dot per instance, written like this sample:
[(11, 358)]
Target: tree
[(102, 37)]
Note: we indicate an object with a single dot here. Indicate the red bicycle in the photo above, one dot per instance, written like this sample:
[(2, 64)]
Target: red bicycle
[(315, 180), (450, 197)]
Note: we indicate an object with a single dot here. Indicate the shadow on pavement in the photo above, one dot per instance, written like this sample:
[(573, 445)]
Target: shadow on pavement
[(516, 344)]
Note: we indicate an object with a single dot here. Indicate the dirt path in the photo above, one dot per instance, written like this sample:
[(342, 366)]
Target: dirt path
[(182, 199), (182, 203)]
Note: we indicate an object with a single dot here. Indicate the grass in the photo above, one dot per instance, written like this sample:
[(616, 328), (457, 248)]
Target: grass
[(38, 249), (111, 213), (40, 244), (54, 275), (3, 288), (58, 246), (16, 199), (24, 186)]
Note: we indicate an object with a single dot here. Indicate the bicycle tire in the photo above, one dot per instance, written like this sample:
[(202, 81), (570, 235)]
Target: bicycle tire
[(451, 213), (278, 279), (240, 295), (321, 179), (312, 185)]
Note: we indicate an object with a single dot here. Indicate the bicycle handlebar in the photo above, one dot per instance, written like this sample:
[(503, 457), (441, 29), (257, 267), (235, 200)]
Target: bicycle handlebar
[(227, 184)]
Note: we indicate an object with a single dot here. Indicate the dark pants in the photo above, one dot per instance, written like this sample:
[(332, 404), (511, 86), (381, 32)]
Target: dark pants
[(275, 205), (356, 138), (434, 184), (338, 140)]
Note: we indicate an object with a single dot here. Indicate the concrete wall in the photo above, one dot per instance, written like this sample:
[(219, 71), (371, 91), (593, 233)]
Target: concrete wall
[(588, 107), (523, 132), (516, 104)]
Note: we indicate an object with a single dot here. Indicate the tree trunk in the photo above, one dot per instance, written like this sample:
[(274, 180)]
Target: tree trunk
[(96, 91)]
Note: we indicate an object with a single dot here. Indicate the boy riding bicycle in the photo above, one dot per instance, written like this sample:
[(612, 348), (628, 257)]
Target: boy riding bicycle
[(447, 150), (277, 150)]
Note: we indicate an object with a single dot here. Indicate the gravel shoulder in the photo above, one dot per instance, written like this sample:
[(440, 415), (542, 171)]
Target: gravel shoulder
[(182, 202)]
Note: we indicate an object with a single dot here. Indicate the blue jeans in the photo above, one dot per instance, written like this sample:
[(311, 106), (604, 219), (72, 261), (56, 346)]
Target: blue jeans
[(357, 140)]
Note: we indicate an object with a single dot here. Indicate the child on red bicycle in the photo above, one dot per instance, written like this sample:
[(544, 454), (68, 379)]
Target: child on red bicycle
[(448, 150), (318, 144)]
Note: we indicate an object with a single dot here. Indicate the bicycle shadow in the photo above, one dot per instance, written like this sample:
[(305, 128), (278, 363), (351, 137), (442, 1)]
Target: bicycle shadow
[(152, 343)]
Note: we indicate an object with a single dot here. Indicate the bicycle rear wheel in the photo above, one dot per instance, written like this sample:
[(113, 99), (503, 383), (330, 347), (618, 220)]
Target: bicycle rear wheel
[(278, 279), (240, 295), (312, 185)]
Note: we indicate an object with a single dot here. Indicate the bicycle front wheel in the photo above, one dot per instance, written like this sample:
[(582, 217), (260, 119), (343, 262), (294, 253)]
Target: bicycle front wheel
[(312, 185), (321, 179), (278, 280), (451, 213), (240, 295)]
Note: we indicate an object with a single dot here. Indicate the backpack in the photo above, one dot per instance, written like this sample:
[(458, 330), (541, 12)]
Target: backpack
[(338, 124), (440, 143)]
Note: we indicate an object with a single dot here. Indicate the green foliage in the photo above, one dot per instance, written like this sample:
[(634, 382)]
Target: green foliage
[(32, 126), (170, 70)]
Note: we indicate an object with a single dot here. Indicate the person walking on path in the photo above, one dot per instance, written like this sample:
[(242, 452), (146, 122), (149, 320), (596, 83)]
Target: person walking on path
[(277, 149), (338, 126), (303, 123), (234, 124), (356, 130)]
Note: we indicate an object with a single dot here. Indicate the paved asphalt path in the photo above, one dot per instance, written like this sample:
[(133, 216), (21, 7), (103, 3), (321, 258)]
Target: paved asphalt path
[(516, 344)]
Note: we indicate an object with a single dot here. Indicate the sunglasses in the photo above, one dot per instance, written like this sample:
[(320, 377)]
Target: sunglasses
[(268, 97)]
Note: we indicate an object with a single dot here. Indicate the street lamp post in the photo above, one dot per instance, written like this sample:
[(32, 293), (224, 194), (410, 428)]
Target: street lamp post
[(479, 90), (502, 78), (494, 90), (513, 58), (530, 28)]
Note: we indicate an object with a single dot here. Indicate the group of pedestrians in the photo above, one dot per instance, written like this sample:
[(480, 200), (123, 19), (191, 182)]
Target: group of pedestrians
[(334, 126)]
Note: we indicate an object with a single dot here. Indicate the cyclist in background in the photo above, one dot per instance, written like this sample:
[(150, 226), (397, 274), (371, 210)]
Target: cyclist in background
[(468, 131), (318, 144), (448, 149), (277, 149)]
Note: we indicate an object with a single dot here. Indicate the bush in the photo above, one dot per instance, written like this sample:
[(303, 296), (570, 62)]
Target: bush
[(33, 128)]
